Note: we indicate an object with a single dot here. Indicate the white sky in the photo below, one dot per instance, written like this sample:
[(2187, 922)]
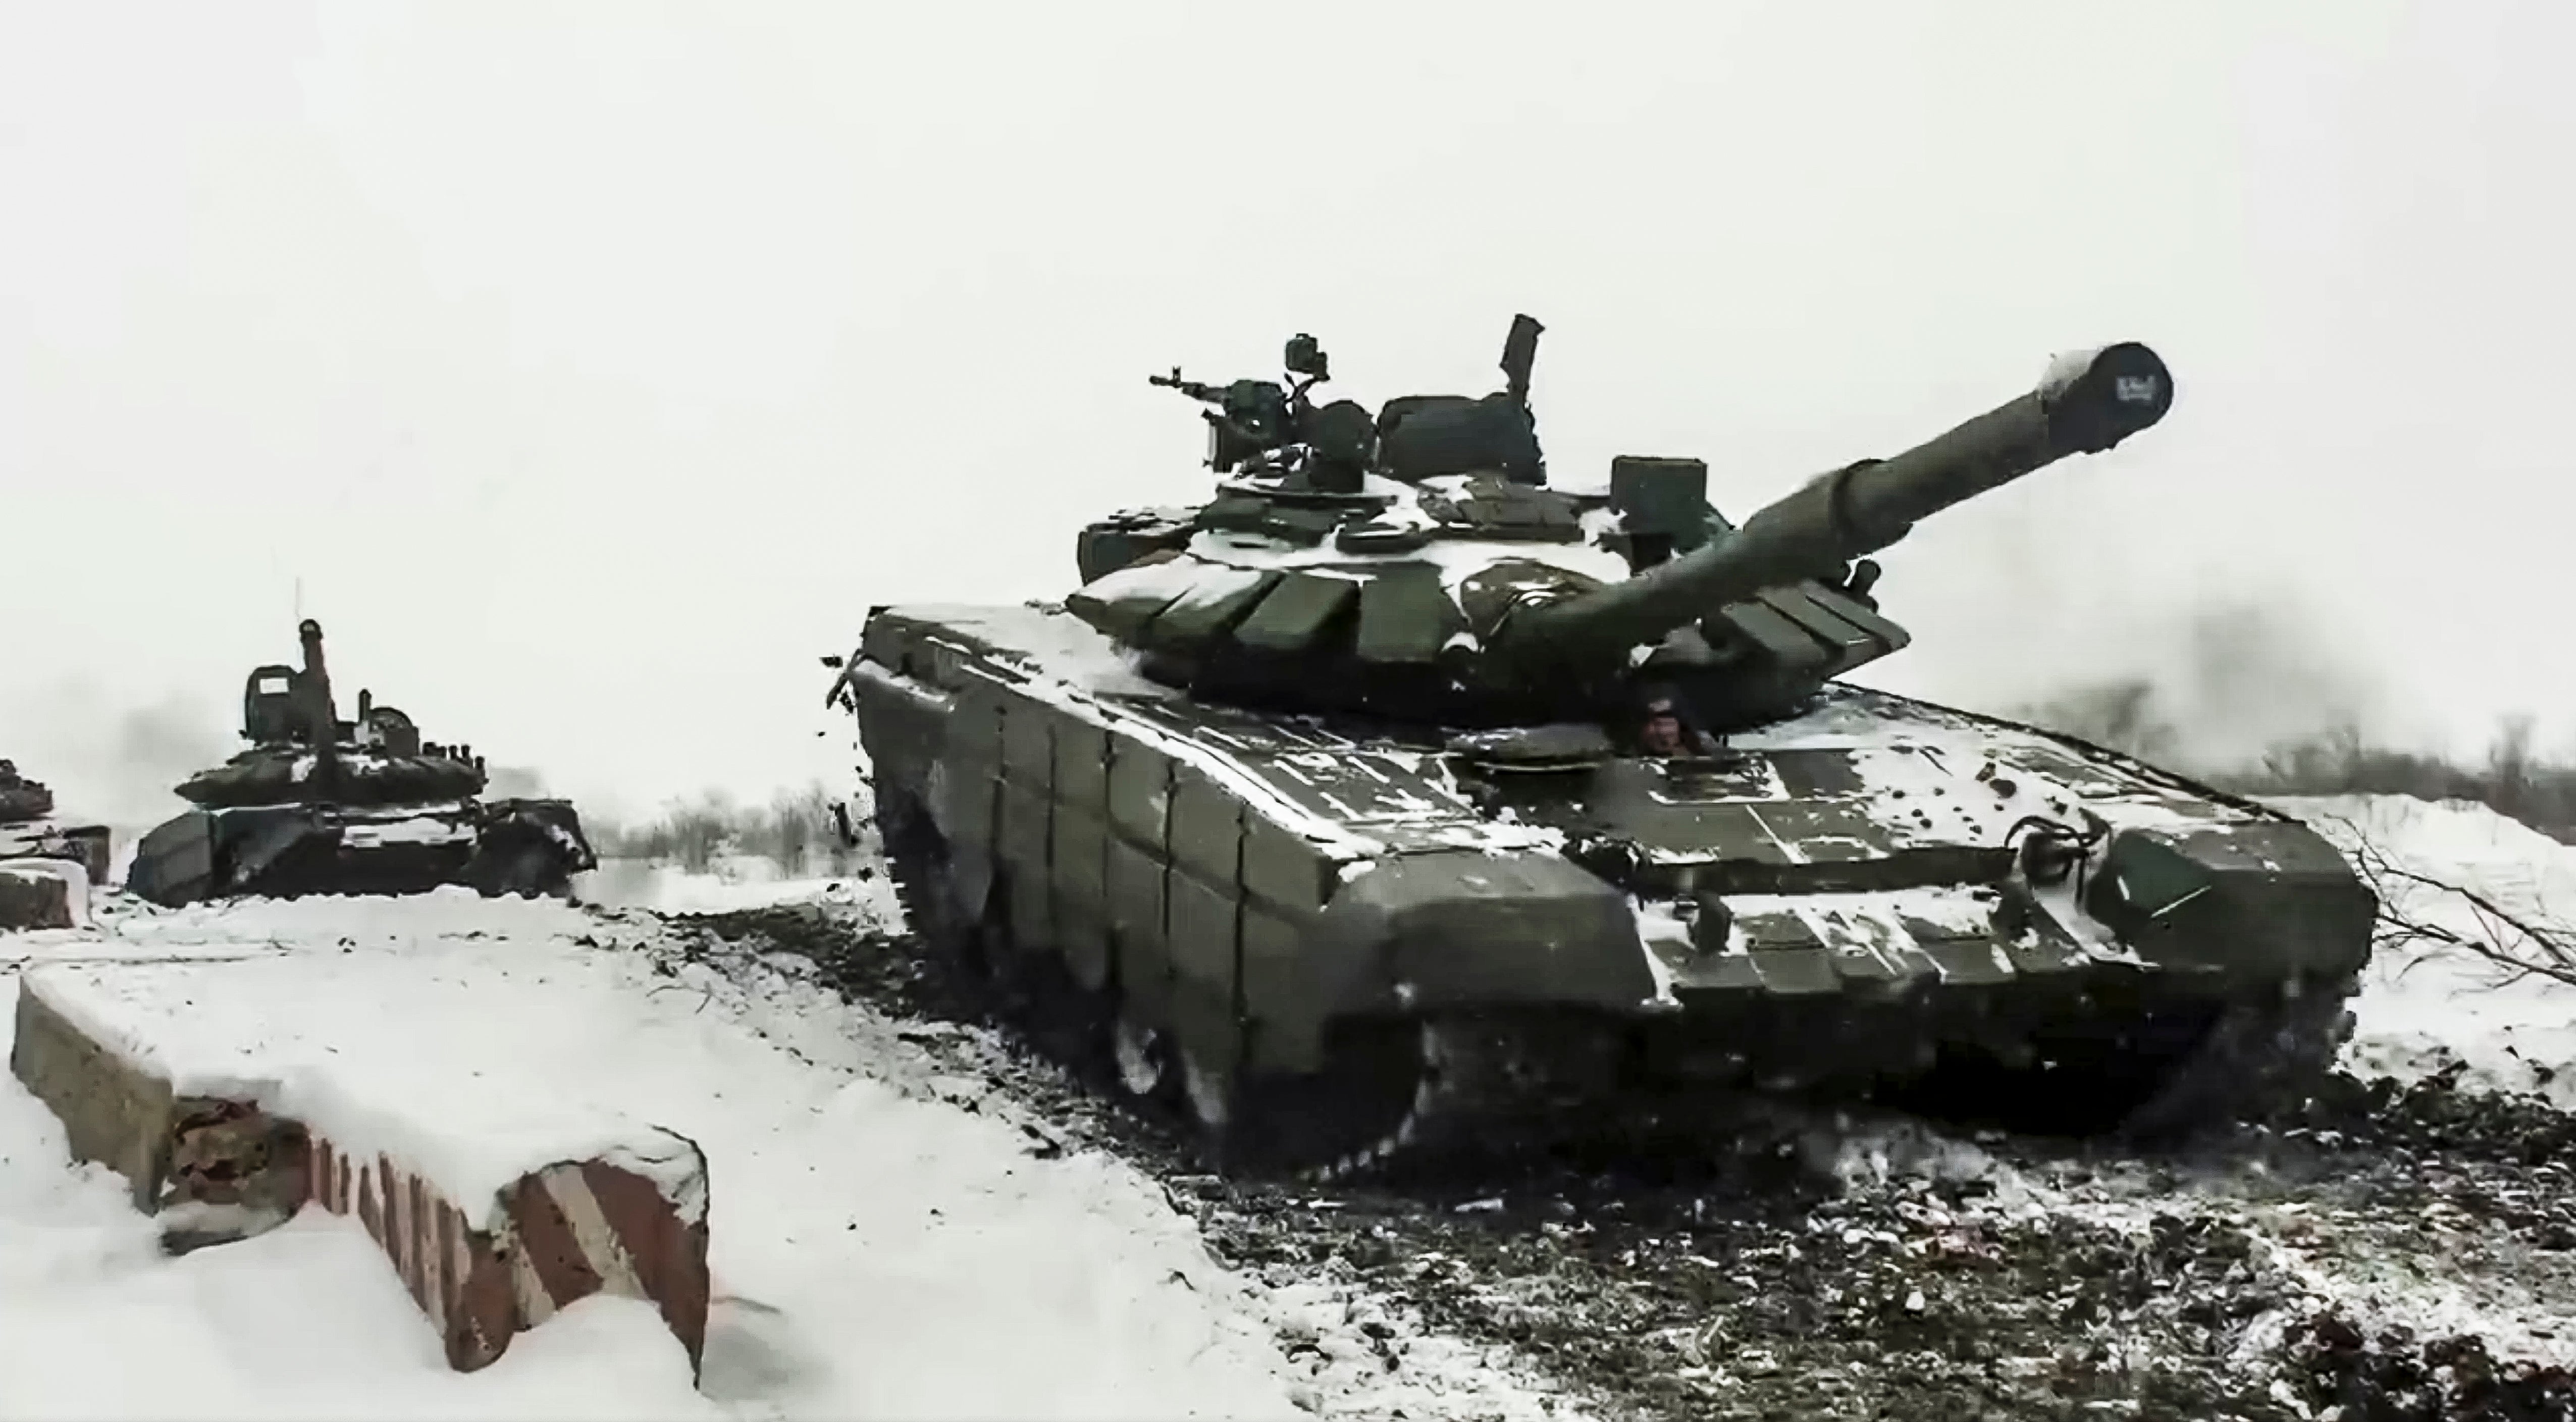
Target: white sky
[(595, 367)]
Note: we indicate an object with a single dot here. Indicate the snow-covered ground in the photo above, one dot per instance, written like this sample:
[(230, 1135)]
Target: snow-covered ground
[(2423, 1010), (884, 1243), (732, 882), (889, 1239)]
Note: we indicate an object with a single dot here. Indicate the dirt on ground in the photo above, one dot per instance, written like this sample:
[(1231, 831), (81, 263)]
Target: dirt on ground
[(2398, 1253)]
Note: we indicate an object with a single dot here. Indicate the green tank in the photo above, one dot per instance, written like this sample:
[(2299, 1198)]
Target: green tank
[(1393, 795), (30, 828), (319, 805)]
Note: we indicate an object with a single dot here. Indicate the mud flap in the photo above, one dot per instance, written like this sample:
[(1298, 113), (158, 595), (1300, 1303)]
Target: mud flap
[(175, 863)]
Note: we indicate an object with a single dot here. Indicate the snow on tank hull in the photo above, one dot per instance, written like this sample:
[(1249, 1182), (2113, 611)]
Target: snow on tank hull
[(46, 837), (1345, 942), (318, 805), (284, 851)]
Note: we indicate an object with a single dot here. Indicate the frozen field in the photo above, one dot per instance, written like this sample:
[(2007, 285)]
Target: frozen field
[(911, 1222)]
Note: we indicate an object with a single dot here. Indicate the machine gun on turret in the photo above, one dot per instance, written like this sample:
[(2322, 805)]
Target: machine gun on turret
[(1262, 428), (1253, 420)]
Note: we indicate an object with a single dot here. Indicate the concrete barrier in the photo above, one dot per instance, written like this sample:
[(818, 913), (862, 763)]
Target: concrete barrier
[(42, 893), (487, 1251)]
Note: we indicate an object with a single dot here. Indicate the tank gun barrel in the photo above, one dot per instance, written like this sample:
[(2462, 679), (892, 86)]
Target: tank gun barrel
[(321, 713), (1195, 389), (2085, 403)]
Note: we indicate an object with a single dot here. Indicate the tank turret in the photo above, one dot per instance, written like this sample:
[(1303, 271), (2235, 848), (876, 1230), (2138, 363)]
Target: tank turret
[(1446, 582), (301, 752), (316, 804)]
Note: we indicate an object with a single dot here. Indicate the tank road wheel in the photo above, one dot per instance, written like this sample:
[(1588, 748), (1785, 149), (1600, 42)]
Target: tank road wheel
[(1376, 1094), (1143, 1058), (1031, 991), (1037, 993), (511, 860)]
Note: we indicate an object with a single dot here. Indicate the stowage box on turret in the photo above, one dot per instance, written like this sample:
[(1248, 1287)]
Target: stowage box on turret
[(1394, 790), (318, 805)]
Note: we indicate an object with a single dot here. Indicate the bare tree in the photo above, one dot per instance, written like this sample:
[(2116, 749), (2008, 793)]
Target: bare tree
[(2512, 946), (793, 830)]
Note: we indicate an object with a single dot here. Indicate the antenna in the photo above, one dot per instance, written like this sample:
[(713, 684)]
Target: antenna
[(299, 598)]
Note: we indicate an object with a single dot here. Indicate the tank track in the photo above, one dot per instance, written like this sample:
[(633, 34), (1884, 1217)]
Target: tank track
[(1469, 1088), (1377, 1108), (2260, 1061), (1403, 1096), (1503, 1095), (1490, 1092), (1477, 1097)]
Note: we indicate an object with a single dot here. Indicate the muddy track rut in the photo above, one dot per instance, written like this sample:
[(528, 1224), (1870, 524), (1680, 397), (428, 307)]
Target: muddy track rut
[(2402, 1253)]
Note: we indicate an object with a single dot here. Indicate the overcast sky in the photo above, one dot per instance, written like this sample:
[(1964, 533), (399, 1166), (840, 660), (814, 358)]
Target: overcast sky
[(593, 368)]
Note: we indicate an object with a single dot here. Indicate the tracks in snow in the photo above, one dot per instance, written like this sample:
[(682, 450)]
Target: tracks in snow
[(2399, 1254)]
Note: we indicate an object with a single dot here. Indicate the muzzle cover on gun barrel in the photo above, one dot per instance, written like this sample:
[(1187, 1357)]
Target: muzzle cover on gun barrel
[(2085, 403)]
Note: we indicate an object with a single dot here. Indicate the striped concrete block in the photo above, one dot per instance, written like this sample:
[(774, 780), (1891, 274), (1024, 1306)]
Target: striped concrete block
[(484, 1270), (551, 1237), (113, 1111)]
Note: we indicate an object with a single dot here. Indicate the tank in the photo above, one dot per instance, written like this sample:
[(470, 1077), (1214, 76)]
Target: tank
[(30, 828), (319, 805), (1396, 797)]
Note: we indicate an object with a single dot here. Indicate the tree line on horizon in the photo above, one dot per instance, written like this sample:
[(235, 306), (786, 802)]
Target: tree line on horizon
[(800, 830)]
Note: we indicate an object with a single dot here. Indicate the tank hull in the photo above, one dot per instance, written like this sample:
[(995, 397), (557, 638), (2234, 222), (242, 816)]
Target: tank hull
[(47, 837), (284, 851), (1871, 898)]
